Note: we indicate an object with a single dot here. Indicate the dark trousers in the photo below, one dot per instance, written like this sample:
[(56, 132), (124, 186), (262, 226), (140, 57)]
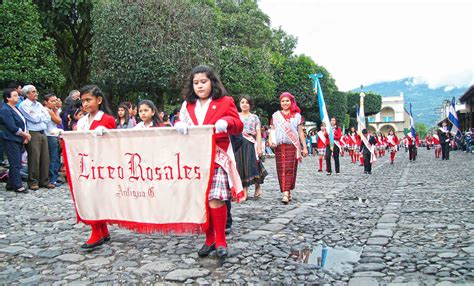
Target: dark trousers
[(54, 163), (328, 158), (367, 164), (38, 160), (445, 151), (2, 147), (13, 150), (412, 152), (229, 215)]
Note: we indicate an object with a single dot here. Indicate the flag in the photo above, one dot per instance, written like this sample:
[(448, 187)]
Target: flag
[(323, 113), (453, 118), (412, 123), (361, 117)]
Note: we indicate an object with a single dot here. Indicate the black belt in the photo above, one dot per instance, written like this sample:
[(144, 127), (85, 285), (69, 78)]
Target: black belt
[(41, 132)]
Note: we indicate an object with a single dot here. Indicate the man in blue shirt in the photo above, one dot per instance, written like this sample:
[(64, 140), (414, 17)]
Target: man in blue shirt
[(37, 118)]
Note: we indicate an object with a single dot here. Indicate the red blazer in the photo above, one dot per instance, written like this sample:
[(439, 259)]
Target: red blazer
[(321, 144), (107, 121), (222, 108), (337, 133)]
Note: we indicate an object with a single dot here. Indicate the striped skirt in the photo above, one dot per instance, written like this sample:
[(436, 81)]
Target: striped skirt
[(286, 164)]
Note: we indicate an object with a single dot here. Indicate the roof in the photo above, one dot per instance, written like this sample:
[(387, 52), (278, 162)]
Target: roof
[(468, 94)]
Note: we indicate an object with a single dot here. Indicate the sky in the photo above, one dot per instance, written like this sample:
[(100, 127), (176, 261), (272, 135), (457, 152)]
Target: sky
[(363, 42)]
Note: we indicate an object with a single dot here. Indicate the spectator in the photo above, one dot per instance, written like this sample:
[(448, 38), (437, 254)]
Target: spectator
[(71, 101), (14, 135), (52, 132), (123, 117), (37, 118)]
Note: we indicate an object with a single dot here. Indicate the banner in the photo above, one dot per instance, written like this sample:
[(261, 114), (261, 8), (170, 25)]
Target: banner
[(147, 180)]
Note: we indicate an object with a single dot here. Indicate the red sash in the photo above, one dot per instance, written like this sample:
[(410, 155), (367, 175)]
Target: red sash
[(371, 148), (322, 137)]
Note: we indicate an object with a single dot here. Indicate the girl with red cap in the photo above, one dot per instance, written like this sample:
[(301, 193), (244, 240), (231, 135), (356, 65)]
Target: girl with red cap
[(287, 137)]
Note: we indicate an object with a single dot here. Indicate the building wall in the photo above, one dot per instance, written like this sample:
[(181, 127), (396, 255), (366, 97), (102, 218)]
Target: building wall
[(392, 115)]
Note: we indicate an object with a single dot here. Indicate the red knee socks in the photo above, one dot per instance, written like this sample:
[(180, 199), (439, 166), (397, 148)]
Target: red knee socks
[(96, 234), (320, 163), (218, 221), (104, 230), (392, 156), (361, 160), (210, 236)]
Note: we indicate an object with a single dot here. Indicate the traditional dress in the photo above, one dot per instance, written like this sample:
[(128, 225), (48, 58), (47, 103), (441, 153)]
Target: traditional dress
[(286, 153), (249, 165), (100, 232)]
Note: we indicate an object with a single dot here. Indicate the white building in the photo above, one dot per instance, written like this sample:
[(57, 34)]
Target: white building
[(392, 115)]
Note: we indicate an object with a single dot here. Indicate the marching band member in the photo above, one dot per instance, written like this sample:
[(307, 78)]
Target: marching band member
[(392, 141), (413, 143), (206, 102), (352, 142), (97, 119), (444, 140), (323, 142), (337, 147), (287, 136), (436, 144)]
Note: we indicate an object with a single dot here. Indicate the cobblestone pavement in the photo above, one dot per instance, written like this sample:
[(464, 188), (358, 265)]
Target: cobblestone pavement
[(406, 224)]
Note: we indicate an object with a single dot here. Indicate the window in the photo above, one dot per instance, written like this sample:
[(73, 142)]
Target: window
[(371, 119), (387, 119)]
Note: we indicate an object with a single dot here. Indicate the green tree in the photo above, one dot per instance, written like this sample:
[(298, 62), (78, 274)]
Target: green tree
[(27, 54), (150, 46), (247, 71), (372, 103), (292, 75), (421, 129), (69, 22)]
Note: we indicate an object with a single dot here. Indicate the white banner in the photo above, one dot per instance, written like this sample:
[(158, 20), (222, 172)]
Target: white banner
[(142, 179)]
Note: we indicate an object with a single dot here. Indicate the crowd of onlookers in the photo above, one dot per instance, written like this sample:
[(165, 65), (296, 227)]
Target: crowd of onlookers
[(30, 129)]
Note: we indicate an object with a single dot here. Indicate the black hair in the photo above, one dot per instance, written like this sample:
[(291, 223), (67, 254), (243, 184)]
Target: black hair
[(72, 113), (364, 131), (249, 100), (127, 114), (14, 85), (48, 96), (7, 93), (337, 122), (95, 91), (218, 90), (154, 119)]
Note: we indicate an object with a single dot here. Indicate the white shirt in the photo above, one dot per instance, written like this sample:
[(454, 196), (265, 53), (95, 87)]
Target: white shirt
[(281, 136), (142, 125), (201, 110), (83, 124)]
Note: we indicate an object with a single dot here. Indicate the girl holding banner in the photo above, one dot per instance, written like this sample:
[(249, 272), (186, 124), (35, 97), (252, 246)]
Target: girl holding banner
[(250, 166), (97, 119), (207, 103), (286, 137)]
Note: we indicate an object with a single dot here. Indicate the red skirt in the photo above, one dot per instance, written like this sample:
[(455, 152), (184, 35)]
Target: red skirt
[(287, 164)]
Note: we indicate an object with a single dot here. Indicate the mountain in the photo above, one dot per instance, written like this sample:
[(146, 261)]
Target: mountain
[(425, 101)]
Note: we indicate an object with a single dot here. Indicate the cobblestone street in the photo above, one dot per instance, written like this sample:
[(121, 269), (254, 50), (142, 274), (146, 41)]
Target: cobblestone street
[(411, 222)]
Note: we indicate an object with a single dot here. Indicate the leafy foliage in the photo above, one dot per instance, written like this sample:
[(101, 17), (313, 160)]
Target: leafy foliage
[(421, 129), (69, 22), (372, 103), (150, 46), (27, 54)]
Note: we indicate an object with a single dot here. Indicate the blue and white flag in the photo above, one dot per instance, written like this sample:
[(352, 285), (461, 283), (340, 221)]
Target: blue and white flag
[(323, 113), (453, 118), (412, 124)]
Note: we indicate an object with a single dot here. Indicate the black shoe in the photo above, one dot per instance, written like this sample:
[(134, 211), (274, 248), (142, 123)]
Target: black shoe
[(370, 173), (320, 170), (227, 230), (107, 238), (206, 250), (222, 252), (92, 245), (329, 174)]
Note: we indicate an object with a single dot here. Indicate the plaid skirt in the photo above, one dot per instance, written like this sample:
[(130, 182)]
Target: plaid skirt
[(220, 189), (287, 165), (322, 152), (393, 149), (351, 147), (437, 146)]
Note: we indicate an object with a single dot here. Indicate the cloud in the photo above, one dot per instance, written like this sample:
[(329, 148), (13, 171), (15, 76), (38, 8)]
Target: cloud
[(370, 41)]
